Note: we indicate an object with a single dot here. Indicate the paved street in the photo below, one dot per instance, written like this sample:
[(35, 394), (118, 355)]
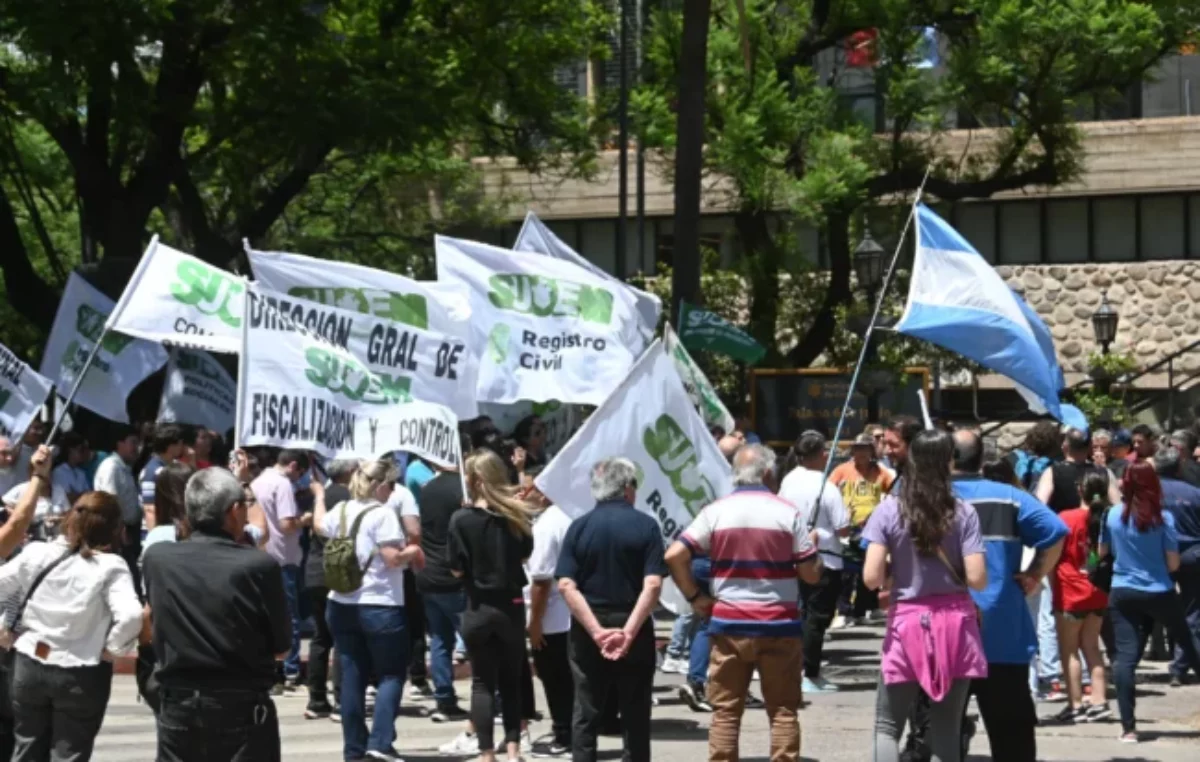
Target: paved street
[(836, 727)]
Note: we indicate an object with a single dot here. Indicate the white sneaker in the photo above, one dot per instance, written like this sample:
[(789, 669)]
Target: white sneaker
[(463, 743), (673, 666), (755, 676), (526, 743)]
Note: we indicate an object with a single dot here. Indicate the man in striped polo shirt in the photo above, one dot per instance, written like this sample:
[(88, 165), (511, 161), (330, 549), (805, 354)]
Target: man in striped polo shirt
[(759, 546)]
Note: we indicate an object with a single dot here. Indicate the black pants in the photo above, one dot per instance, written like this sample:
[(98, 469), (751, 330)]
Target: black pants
[(320, 650), (554, 670), (131, 551), (528, 699), (209, 725), (1132, 612), (596, 678), (414, 606), (820, 604), (1006, 707), (495, 640), (57, 711)]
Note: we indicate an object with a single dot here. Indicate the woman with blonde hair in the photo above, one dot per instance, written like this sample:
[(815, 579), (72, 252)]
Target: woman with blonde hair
[(369, 626), (489, 543)]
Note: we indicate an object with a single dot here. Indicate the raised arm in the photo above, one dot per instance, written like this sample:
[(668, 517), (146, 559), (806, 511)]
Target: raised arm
[(12, 534)]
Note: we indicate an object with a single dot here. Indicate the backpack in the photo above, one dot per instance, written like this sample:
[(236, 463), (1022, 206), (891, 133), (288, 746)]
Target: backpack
[(1029, 468), (342, 572)]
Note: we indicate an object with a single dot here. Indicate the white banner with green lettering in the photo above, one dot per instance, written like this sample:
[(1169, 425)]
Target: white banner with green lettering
[(122, 363), (177, 299), (545, 329), (198, 390), (297, 389), (650, 420), (699, 389), (22, 393)]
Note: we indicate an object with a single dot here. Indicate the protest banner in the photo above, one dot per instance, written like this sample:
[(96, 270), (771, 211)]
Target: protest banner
[(22, 394), (120, 363), (439, 307), (701, 329), (298, 389), (198, 390), (537, 237), (177, 299), (649, 420), (544, 329), (561, 421), (698, 387)]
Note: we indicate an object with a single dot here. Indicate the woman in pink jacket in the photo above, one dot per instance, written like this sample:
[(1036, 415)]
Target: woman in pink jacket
[(929, 544)]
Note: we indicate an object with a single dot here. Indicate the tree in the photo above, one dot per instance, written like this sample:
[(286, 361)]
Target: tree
[(211, 118), (791, 152)]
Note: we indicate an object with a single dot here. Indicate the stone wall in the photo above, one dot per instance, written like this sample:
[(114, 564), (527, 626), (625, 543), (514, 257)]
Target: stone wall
[(1159, 305)]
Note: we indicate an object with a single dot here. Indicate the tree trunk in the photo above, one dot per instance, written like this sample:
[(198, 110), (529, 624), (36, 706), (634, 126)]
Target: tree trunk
[(689, 153), (763, 261), (28, 294), (820, 333)]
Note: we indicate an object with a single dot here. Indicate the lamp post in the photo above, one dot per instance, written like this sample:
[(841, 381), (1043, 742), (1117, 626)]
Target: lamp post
[(868, 269), (1104, 323)]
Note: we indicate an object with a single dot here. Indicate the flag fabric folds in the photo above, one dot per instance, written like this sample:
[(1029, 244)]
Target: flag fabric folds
[(702, 329)]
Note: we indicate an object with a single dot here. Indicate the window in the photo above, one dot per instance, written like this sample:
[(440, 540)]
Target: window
[(1114, 226), (977, 223), (1067, 231), (1161, 227), (600, 243), (1020, 232)]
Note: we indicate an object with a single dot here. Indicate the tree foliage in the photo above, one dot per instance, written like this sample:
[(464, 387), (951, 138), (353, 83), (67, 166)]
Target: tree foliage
[(789, 152)]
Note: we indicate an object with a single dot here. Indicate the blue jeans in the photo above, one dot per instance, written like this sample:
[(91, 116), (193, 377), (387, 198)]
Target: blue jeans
[(370, 640), (291, 588), (443, 619), (1188, 578), (1041, 608), (681, 635), (698, 656)]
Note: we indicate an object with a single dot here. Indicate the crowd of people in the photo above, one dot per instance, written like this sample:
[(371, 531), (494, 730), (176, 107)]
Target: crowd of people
[(1018, 580)]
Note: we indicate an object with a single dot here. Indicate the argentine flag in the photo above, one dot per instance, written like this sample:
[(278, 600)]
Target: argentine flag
[(957, 301)]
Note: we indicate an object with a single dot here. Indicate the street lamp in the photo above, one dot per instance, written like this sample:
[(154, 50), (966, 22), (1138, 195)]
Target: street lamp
[(868, 264), (1104, 323)]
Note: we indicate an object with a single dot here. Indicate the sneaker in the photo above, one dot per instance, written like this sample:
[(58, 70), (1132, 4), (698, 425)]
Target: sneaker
[(693, 695), (317, 711), (463, 743), (753, 702), (448, 713), (754, 676), (1130, 737), (818, 685), (1069, 715), (1056, 693), (335, 713), (387, 756), (1176, 681), (526, 743), (277, 689), (1097, 713), (547, 747), (674, 666), (421, 691), (844, 622)]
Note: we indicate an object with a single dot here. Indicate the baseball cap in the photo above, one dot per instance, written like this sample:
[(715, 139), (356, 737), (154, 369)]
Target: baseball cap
[(1122, 438), (863, 440)]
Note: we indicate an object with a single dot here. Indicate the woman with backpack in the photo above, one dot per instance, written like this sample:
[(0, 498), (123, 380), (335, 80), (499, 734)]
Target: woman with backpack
[(1142, 539), (365, 558), (489, 543), (932, 642), (1079, 605)]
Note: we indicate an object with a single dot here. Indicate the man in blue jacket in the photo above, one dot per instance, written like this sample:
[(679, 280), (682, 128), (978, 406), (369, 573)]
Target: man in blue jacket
[(1010, 519)]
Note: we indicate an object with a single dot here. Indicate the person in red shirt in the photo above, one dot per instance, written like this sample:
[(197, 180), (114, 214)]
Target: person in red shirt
[(1079, 605)]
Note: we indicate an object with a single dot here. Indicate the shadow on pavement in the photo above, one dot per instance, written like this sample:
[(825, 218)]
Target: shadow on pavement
[(671, 729)]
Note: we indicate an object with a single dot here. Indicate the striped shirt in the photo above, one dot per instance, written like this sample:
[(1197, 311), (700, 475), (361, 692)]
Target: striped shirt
[(755, 540)]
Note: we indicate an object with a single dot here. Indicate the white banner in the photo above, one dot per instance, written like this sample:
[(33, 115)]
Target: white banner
[(561, 420), (299, 390), (438, 307), (178, 299), (545, 329), (698, 387), (23, 391), (536, 237), (198, 390), (122, 363)]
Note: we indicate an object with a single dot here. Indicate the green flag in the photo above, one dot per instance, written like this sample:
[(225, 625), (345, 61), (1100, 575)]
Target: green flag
[(701, 329)]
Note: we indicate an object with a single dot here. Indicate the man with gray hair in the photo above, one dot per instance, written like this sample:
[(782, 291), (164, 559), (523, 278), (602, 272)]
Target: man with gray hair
[(220, 621), (610, 573), (1182, 501), (1183, 442), (760, 550)]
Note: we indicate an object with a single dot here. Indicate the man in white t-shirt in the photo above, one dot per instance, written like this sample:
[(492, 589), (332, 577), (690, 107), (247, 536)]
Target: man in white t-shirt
[(549, 619), (70, 474), (805, 487)]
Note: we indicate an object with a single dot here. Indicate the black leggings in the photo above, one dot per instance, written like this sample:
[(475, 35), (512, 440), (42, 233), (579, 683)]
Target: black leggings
[(495, 640)]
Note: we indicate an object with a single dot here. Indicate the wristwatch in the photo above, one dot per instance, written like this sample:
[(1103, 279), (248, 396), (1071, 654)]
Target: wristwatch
[(692, 598)]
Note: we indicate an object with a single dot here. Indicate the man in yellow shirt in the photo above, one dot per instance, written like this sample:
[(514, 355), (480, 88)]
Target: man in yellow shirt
[(863, 482)]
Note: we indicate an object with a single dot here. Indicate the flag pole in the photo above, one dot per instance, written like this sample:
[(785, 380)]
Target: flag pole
[(862, 355)]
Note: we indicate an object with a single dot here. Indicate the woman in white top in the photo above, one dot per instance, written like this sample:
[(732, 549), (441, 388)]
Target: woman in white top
[(82, 614), (369, 626)]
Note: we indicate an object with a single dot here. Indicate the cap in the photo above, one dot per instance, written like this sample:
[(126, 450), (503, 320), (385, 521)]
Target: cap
[(863, 440), (1122, 438)]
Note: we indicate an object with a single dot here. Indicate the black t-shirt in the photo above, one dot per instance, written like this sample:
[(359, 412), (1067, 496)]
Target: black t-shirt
[(1065, 477), (220, 613), (609, 551), (314, 565), (440, 498), (483, 548)]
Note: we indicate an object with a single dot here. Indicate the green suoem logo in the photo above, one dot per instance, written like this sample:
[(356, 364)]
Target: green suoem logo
[(675, 454), (353, 381), (497, 345), (544, 297), (409, 309), (89, 323), (207, 289)]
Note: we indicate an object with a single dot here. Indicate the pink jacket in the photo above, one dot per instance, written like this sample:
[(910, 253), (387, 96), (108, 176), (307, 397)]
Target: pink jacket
[(933, 641)]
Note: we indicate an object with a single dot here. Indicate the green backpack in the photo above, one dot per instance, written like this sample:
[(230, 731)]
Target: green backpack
[(342, 572)]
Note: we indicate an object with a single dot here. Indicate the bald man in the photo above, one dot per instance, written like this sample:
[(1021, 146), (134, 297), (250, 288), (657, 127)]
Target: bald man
[(729, 445)]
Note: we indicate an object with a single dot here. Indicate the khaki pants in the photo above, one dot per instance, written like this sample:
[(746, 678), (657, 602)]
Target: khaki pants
[(730, 667)]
